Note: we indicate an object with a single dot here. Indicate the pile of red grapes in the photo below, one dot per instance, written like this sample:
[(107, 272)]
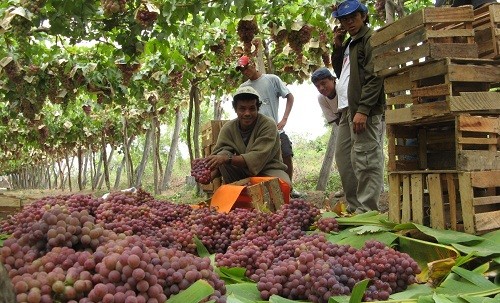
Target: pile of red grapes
[(201, 171), (129, 247)]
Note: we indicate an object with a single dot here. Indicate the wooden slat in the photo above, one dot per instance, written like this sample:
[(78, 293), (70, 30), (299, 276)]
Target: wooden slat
[(389, 31), (429, 109), (479, 123), (469, 160), (429, 69), (406, 206), (436, 201), (485, 179), (401, 99), (399, 45), (487, 221), (432, 91), (400, 115), (449, 33), (449, 14), (474, 73), (394, 198), (489, 200), (452, 200), (479, 141), (397, 83), (417, 196), (469, 101), (466, 201)]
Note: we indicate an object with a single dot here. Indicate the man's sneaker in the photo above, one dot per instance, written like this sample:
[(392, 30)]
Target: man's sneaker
[(295, 194), (339, 194)]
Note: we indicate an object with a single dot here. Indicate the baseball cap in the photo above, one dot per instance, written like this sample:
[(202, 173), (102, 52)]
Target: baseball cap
[(245, 90), (348, 7), (321, 73), (242, 62)]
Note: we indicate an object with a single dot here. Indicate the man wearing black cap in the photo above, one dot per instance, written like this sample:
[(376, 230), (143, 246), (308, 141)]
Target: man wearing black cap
[(361, 100), (249, 145), (324, 81), (270, 87)]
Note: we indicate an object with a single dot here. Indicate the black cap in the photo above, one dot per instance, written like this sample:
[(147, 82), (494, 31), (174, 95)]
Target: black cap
[(320, 74)]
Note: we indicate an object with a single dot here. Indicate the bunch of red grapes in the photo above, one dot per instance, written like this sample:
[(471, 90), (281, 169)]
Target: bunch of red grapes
[(201, 171)]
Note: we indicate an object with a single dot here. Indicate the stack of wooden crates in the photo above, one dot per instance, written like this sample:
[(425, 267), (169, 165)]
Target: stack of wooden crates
[(209, 134), (442, 73)]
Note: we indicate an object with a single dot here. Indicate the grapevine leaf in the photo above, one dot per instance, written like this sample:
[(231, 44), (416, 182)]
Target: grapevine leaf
[(348, 237), (193, 294), (368, 229), (247, 291)]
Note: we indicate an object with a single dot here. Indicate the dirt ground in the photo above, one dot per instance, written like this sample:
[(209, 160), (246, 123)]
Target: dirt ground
[(17, 198), (327, 202)]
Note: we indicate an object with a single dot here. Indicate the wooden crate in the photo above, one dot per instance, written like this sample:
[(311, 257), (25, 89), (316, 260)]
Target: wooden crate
[(264, 196), (487, 30), (462, 201), (433, 90), (430, 33), (9, 205), (464, 143), (210, 132)]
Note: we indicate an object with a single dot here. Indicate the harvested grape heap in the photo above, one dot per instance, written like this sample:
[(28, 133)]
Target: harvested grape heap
[(130, 247)]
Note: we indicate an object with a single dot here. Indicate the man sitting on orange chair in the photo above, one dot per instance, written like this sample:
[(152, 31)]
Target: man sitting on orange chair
[(249, 145)]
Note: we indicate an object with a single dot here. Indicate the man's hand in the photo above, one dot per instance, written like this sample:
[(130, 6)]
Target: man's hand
[(338, 36), (359, 123), (214, 161), (281, 124)]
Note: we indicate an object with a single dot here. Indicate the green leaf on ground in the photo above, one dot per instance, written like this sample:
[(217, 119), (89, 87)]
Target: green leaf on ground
[(198, 291)]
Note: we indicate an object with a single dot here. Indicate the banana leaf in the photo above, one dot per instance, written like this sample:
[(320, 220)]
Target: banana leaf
[(442, 236), (489, 246), (424, 252), (232, 275), (198, 291), (467, 283), (246, 292)]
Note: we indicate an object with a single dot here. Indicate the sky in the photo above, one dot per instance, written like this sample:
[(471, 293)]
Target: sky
[(306, 119)]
